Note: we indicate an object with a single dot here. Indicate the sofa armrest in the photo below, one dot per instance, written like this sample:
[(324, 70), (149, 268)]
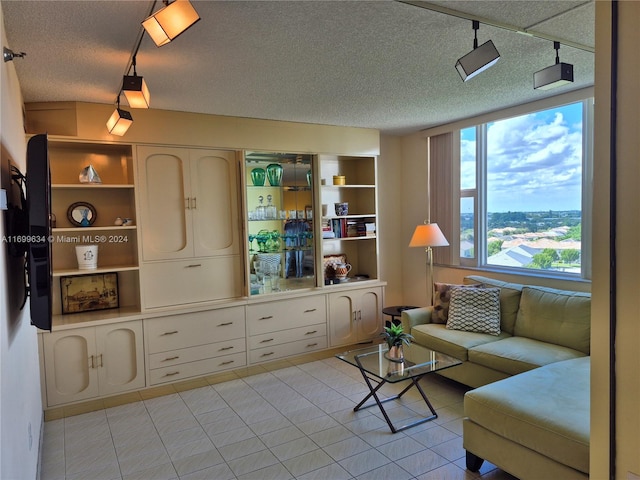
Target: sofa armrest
[(415, 316)]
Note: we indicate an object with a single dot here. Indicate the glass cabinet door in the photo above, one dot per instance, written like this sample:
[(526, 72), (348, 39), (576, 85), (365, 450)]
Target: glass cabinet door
[(279, 201)]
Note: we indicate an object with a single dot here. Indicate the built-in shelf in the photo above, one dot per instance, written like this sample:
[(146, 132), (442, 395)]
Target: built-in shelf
[(93, 186), (107, 269)]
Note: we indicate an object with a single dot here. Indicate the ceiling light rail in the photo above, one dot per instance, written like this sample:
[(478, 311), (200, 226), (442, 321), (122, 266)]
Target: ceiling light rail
[(505, 26)]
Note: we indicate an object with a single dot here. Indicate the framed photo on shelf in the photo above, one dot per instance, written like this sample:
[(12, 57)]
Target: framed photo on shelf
[(85, 293)]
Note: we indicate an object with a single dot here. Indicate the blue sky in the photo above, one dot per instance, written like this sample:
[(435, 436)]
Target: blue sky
[(535, 161)]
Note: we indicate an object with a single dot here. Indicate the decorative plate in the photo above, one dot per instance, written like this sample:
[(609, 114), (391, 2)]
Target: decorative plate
[(81, 214)]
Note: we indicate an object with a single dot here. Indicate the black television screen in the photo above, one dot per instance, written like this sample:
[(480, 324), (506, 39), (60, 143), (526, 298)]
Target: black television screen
[(38, 203)]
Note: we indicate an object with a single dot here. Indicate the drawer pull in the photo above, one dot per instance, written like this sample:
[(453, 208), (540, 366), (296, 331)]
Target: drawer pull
[(311, 332), (310, 310), (225, 324), (225, 348), (266, 340), (266, 318), (173, 332), (228, 362), (267, 354), (194, 265), (312, 344), (171, 374), (168, 359)]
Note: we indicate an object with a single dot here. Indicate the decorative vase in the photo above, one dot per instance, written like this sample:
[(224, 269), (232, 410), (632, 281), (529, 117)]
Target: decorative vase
[(274, 174), (396, 354), (257, 177)]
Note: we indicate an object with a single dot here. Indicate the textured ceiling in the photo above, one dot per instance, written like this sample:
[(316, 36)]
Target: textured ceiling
[(380, 64)]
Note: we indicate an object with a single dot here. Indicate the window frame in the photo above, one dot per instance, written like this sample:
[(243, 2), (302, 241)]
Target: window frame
[(479, 195)]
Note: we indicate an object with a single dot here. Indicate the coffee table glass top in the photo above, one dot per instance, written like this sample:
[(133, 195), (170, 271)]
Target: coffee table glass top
[(418, 361)]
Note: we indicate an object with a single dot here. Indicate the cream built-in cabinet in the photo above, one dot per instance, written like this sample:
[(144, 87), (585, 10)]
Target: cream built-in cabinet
[(355, 315), (191, 302), (89, 362), (189, 219)]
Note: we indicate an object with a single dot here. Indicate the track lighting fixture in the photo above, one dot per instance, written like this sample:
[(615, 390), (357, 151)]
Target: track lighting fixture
[(555, 75), (135, 89), (478, 59), (170, 21), (120, 121)]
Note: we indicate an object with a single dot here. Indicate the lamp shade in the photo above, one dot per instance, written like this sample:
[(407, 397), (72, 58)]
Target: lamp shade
[(477, 60), (170, 21), (428, 235), (136, 91), (119, 122), (553, 76)]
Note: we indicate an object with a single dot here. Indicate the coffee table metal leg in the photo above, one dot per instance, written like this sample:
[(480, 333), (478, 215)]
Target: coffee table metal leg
[(373, 393)]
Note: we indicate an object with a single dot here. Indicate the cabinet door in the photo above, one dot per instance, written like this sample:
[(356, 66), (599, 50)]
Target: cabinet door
[(165, 203), (369, 314), (120, 359), (342, 319), (70, 360), (214, 202)]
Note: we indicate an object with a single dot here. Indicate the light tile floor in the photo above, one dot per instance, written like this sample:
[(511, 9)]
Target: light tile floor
[(294, 422)]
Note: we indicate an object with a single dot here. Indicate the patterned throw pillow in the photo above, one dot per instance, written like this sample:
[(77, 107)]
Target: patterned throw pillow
[(441, 298), (475, 310)]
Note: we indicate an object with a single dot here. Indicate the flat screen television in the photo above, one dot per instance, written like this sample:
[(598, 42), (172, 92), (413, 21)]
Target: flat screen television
[(38, 203)]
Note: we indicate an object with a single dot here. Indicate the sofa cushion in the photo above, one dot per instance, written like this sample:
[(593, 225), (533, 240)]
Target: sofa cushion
[(442, 299), (509, 298), (475, 310), (555, 316), (452, 342), (546, 409), (515, 355)]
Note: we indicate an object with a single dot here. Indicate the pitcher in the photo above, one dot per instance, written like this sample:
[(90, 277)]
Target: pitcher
[(342, 270)]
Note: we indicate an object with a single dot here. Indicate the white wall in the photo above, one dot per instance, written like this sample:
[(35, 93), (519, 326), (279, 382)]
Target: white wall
[(20, 398)]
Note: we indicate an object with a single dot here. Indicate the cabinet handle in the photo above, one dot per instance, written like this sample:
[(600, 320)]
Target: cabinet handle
[(171, 374), (311, 332), (169, 333), (354, 316), (266, 354), (187, 203), (267, 340), (168, 359), (266, 318), (93, 363), (310, 310), (359, 314), (228, 362), (194, 203), (225, 348), (194, 265), (312, 344), (225, 324), (101, 364)]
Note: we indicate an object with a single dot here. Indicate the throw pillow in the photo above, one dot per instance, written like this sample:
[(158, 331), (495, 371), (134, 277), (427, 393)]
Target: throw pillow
[(441, 299), (475, 310)]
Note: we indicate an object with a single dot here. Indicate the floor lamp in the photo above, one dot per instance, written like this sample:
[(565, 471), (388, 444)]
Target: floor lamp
[(428, 235)]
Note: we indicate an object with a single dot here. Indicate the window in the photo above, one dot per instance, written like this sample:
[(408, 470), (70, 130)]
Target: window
[(521, 197)]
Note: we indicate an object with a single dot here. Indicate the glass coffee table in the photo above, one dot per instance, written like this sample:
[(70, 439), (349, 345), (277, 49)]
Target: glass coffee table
[(377, 369)]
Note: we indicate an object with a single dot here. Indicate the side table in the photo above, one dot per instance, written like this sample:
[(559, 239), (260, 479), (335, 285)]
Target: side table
[(395, 311)]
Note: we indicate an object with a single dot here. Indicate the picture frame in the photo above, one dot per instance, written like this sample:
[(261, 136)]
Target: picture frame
[(81, 214), (85, 293)]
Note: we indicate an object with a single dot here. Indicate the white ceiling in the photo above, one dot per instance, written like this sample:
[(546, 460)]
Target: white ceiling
[(387, 65)]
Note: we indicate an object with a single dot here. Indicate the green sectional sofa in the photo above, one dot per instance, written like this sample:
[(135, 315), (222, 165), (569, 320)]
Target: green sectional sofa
[(529, 412)]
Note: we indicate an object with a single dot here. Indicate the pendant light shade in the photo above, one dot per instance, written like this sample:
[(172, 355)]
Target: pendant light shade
[(170, 21), (119, 122), (136, 91), (479, 59)]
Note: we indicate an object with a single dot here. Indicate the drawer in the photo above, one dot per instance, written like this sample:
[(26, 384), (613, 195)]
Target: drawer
[(192, 354), (286, 336), (274, 316), (189, 281), (196, 369), (191, 329), (287, 349)]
